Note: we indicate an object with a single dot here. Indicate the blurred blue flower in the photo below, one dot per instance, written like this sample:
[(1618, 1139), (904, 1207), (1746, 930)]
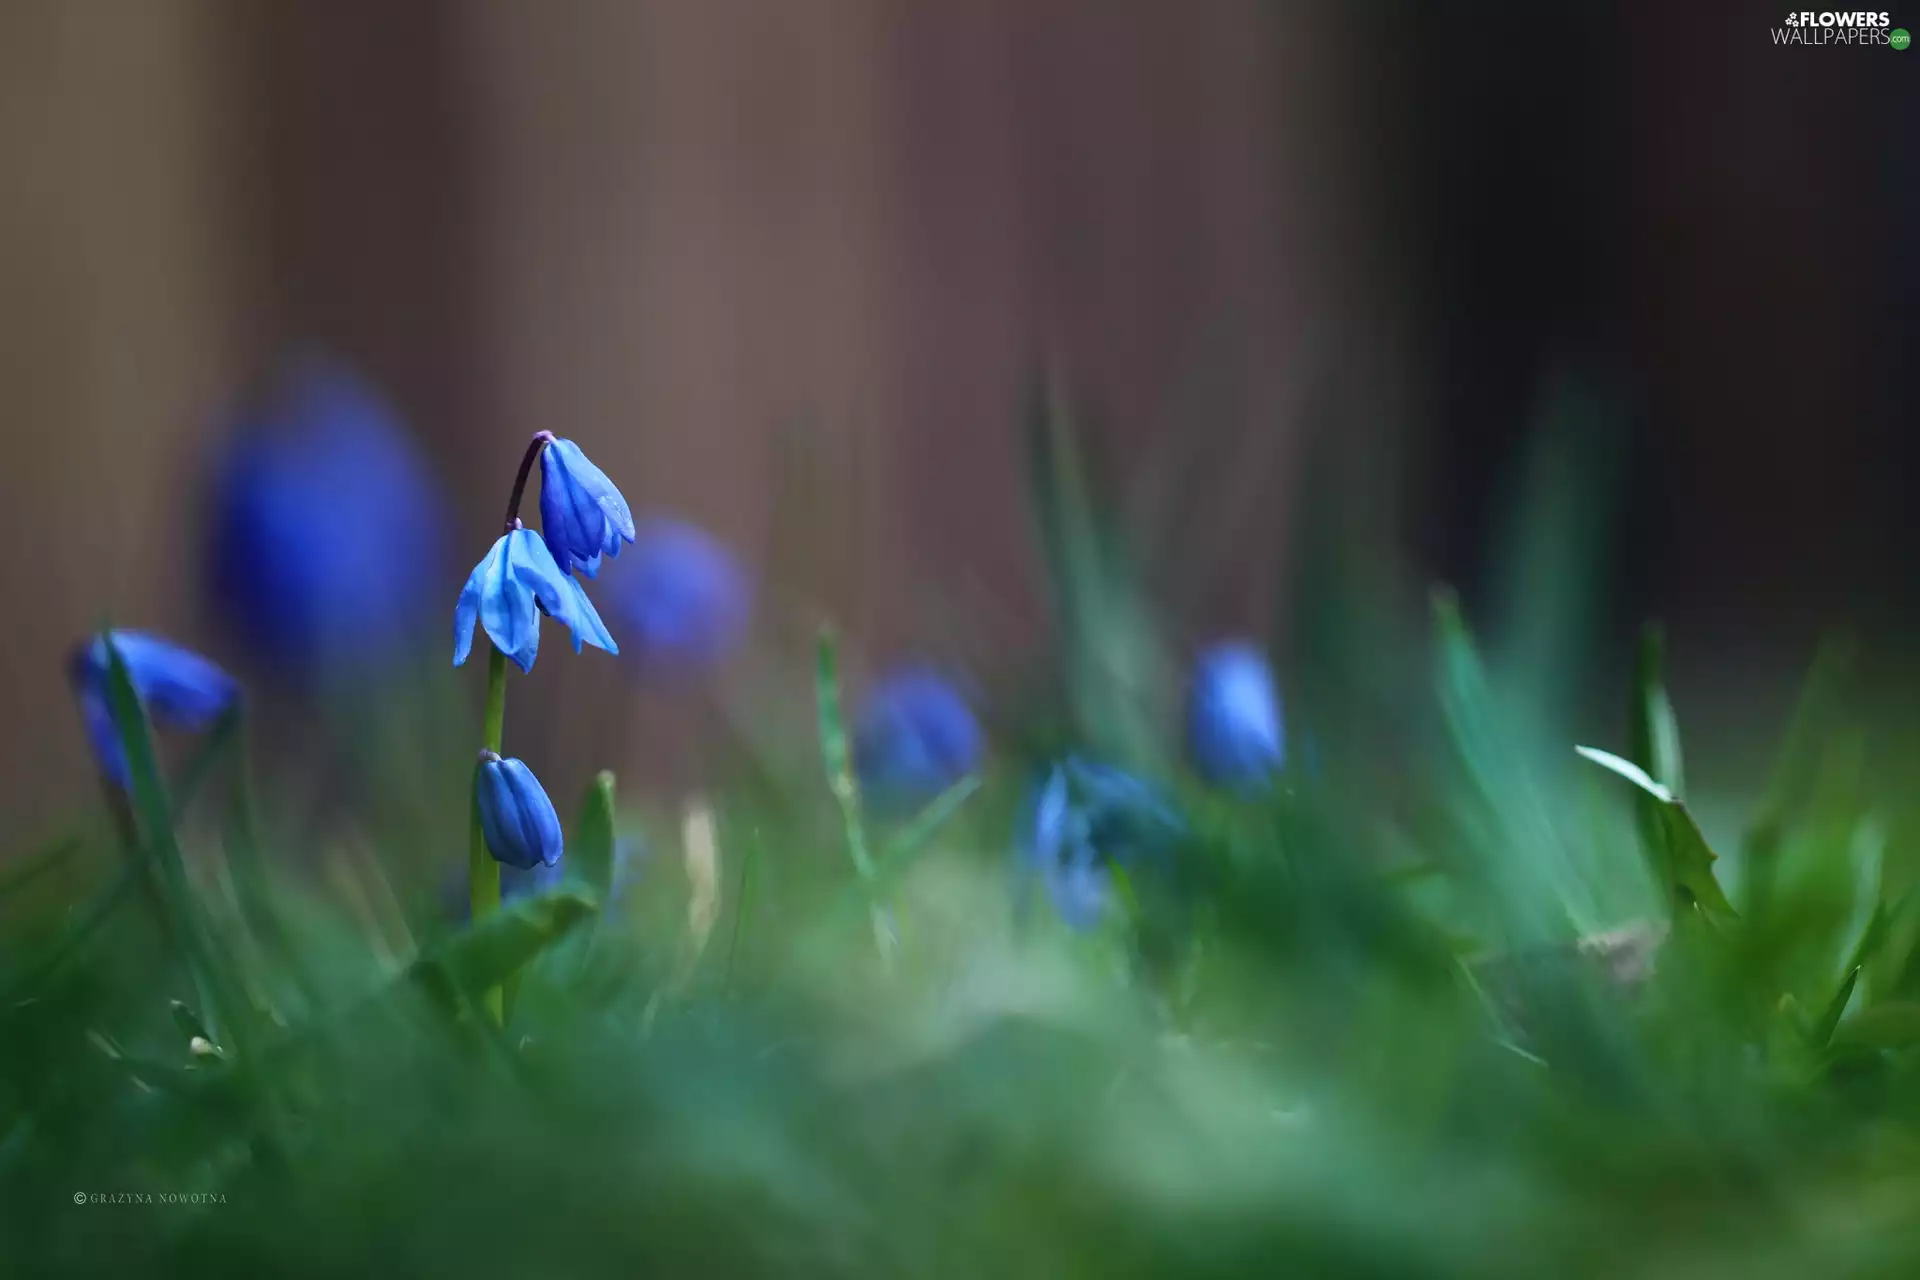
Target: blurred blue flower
[(1234, 726), (507, 592), (916, 736), (1085, 819), (518, 819), (179, 688), (681, 596), (582, 515), (328, 530)]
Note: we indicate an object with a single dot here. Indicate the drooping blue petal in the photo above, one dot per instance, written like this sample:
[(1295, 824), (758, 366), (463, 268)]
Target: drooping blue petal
[(519, 822), (484, 579), (582, 514), (1234, 727), (915, 736), (103, 737), (181, 689), (509, 590), (508, 607), (584, 620)]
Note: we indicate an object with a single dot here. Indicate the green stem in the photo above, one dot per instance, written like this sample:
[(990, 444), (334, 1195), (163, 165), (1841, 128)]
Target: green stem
[(483, 873)]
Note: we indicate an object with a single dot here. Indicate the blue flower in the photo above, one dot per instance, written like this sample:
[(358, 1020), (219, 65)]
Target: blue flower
[(681, 596), (179, 688), (508, 591), (328, 529), (1085, 819), (516, 816), (1234, 726), (582, 515), (916, 735)]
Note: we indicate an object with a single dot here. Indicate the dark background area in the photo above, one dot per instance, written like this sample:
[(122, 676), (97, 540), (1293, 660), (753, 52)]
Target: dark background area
[(675, 230)]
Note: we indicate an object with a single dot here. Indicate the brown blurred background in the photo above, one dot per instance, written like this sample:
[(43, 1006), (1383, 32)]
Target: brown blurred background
[(707, 237)]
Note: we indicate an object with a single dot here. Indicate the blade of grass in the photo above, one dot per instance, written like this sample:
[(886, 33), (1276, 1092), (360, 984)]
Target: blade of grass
[(152, 811), (842, 781)]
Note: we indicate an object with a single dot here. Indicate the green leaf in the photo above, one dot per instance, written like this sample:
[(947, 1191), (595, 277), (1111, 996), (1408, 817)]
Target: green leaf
[(220, 993), (189, 1025), (501, 943), (1111, 659), (1822, 1032), (905, 847), (1683, 855), (1655, 728), (1891, 1024), (833, 750), (26, 868), (1630, 771), (593, 836), (247, 865)]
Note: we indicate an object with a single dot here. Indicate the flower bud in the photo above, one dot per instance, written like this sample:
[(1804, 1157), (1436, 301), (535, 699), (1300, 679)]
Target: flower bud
[(518, 819)]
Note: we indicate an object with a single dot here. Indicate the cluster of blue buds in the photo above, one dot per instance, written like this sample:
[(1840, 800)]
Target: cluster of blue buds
[(328, 529), (1086, 819), (179, 688), (916, 735), (1235, 731)]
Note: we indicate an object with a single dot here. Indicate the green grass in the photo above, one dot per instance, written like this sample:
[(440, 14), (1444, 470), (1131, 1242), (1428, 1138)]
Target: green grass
[(1457, 1003)]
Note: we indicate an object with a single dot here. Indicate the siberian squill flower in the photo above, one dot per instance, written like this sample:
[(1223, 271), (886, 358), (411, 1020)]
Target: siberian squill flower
[(582, 515), (507, 592), (680, 596), (179, 688), (521, 827), (1235, 731), (1086, 819), (328, 529), (915, 736)]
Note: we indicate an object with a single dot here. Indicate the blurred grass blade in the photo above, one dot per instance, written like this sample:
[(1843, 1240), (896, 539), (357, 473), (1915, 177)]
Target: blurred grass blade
[(1830, 1018), (1630, 771), (219, 991), (593, 836), (905, 847), (1682, 855), (834, 755), (846, 786), (187, 1022), (1653, 735), (30, 867), (1110, 657), (498, 945), (1891, 1024), (132, 875), (246, 863), (1523, 866), (1553, 553), (1655, 730)]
